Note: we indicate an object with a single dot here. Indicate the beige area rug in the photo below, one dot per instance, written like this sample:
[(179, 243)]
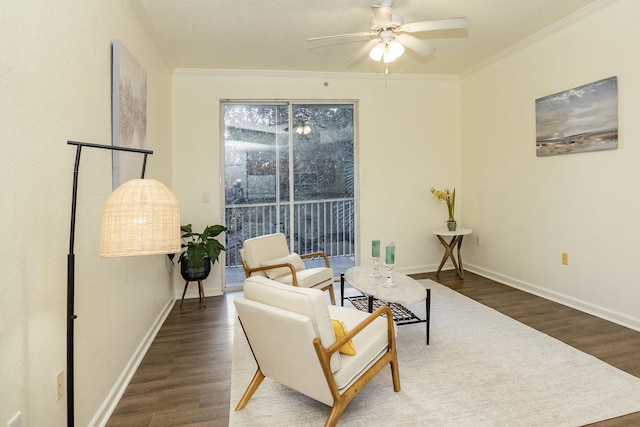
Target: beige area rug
[(481, 369)]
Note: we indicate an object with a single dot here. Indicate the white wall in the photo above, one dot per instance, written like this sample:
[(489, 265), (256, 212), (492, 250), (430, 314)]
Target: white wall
[(528, 209), (408, 141), (55, 85)]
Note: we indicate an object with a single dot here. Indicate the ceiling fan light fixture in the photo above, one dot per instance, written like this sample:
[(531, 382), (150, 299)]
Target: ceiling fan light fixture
[(386, 51), (377, 52), (390, 35), (394, 49), (387, 58), (303, 130)]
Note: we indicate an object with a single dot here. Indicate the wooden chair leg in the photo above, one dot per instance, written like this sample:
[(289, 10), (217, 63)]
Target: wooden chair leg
[(253, 386), (331, 295), (184, 292), (336, 412), (395, 374)]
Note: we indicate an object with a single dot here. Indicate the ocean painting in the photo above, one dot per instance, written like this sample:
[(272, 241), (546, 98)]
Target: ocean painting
[(577, 120)]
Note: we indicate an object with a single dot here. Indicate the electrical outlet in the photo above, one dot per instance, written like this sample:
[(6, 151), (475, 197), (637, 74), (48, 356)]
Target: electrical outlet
[(477, 240), (16, 421), (205, 197), (565, 258), (59, 385)]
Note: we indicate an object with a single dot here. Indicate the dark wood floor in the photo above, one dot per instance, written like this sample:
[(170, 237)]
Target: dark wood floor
[(184, 380)]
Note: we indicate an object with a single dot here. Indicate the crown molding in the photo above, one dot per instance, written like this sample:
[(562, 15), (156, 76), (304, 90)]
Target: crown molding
[(280, 74)]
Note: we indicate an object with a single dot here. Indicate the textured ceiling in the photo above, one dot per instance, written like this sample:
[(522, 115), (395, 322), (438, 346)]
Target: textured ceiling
[(271, 35)]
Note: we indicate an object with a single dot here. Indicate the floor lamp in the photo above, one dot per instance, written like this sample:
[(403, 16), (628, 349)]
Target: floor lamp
[(141, 217)]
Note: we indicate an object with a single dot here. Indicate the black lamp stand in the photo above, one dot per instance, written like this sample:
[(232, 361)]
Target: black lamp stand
[(71, 316)]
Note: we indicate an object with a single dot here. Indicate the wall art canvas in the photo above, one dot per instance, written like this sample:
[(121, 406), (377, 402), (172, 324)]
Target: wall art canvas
[(577, 120), (129, 113)]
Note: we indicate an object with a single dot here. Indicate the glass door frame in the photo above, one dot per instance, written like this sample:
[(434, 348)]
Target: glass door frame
[(290, 103)]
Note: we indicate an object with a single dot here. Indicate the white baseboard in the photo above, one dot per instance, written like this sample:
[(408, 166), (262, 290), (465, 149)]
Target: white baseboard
[(101, 417), (586, 307)]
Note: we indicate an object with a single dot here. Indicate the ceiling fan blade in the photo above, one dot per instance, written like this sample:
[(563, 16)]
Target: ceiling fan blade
[(381, 14), (363, 51), (444, 24), (416, 45), (338, 36)]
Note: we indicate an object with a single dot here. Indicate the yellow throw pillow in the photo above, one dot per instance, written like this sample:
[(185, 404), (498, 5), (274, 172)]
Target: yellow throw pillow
[(340, 331)]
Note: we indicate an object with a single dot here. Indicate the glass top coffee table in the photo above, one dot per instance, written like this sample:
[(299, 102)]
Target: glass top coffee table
[(406, 291)]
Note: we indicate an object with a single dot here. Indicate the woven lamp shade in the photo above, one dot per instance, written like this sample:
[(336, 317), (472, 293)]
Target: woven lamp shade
[(141, 217)]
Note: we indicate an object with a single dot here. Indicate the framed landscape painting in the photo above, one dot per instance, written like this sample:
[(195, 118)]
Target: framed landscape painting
[(129, 113), (577, 120)]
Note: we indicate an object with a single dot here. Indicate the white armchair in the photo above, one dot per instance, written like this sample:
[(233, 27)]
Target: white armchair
[(269, 256), (290, 332)]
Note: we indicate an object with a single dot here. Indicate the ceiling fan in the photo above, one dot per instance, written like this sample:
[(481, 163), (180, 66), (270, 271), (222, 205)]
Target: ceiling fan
[(391, 35)]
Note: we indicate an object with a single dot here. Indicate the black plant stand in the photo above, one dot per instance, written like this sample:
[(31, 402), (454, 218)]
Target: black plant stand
[(193, 274), (201, 296)]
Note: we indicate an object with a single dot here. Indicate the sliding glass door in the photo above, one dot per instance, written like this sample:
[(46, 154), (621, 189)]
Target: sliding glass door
[(289, 167)]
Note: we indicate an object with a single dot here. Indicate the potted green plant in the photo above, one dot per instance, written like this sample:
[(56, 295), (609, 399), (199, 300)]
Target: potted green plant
[(199, 251)]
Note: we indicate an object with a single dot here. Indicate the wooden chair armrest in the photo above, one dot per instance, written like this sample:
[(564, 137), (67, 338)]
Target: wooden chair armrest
[(317, 255), (360, 326), (248, 270), (324, 357)]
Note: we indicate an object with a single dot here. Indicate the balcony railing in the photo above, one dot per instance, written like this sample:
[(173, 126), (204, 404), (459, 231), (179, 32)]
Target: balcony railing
[(319, 225)]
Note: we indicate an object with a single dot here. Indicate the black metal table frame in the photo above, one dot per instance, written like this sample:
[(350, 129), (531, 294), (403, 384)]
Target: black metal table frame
[(414, 319)]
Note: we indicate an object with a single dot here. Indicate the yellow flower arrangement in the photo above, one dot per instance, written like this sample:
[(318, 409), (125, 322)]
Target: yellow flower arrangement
[(447, 196)]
